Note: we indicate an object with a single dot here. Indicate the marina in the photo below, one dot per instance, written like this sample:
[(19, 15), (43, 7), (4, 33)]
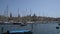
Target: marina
[(29, 16)]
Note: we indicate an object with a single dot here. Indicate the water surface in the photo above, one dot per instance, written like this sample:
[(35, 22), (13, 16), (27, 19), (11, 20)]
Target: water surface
[(38, 28)]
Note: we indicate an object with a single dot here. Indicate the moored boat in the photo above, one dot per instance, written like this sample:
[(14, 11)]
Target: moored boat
[(18, 32)]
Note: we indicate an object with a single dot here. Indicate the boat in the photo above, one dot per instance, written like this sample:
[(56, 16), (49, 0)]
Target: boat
[(18, 32), (20, 23)]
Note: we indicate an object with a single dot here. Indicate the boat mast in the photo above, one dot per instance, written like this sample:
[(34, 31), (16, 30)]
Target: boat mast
[(30, 15), (30, 12), (6, 13), (18, 15), (30, 20), (26, 12)]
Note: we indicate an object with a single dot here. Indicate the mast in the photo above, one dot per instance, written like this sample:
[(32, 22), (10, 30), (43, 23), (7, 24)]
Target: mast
[(30, 12), (6, 14), (26, 12), (30, 15), (30, 20), (18, 15)]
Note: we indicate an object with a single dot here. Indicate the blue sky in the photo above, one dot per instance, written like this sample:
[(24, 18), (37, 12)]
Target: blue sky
[(49, 8)]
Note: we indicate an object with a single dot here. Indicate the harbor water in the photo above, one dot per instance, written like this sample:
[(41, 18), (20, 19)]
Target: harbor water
[(36, 28)]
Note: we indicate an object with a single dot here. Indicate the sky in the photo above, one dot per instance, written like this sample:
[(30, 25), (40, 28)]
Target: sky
[(48, 8)]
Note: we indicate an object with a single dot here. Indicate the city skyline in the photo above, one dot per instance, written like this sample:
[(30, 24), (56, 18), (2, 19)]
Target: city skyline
[(48, 8)]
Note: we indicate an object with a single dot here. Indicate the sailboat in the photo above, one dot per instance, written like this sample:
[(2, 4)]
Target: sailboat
[(23, 23)]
